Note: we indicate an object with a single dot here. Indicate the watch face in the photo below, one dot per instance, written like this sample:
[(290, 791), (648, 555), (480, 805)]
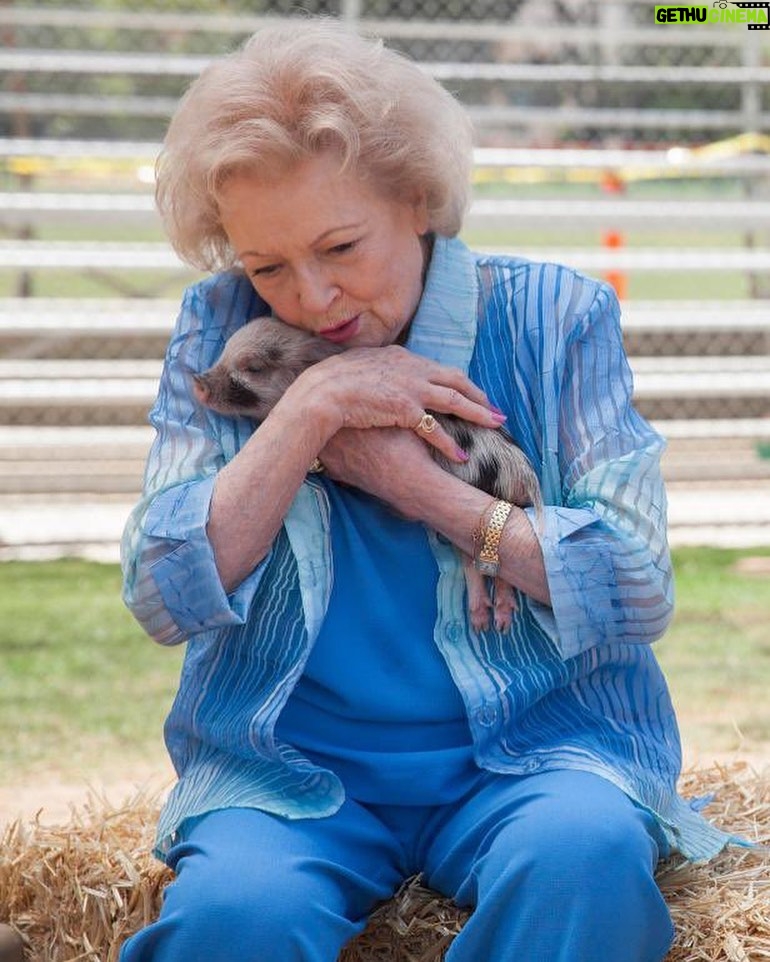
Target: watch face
[(487, 567)]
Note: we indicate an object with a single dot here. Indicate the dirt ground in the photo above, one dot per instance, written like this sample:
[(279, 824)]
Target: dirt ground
[(50, 797)]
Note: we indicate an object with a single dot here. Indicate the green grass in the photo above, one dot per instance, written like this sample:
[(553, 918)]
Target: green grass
[(80, 682), (717, 652), (82, 686)]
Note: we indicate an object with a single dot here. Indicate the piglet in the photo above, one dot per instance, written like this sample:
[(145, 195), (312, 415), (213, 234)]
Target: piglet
[(262, 359)]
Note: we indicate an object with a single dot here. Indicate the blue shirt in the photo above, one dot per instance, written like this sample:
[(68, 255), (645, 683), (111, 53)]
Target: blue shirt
[(575, 685), (376, 703)]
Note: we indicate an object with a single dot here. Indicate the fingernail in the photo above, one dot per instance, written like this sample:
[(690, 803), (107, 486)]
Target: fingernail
[(499, 417), (462, 455), (495, 408)]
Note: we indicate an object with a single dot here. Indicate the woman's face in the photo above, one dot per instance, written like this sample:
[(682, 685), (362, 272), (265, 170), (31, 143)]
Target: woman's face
[(327, 253)]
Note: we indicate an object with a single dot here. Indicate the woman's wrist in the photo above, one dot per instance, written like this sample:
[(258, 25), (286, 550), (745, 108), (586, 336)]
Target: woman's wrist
[(311, 401), (461, 513), (487, 536)]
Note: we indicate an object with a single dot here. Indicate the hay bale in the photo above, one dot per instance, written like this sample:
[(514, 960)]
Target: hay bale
[(76, 891), (721, 910)]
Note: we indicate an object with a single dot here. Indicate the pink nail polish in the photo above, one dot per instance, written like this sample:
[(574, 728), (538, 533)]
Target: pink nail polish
[(462, 455), (499, 417)]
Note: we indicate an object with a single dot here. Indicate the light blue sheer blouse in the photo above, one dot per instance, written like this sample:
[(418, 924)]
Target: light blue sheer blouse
[(572, 686)]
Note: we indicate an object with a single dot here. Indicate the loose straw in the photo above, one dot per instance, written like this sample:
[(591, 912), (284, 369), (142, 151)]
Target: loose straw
[(76, 891)]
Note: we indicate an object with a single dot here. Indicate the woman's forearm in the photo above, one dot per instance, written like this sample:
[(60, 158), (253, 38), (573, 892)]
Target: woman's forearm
[(521, 558), (253, 492), (455, 509)]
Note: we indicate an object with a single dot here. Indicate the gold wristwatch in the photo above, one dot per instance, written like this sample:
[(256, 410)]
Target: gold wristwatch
[(488, 559)]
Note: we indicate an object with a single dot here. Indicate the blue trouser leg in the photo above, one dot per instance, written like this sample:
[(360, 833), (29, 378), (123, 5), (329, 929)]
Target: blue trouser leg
[(253, 887), (559, 867)]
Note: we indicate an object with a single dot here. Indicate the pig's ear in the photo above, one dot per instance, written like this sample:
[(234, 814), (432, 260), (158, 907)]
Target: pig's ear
[(240, 393)]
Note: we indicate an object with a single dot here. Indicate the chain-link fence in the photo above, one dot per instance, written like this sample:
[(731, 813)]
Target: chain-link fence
[(529, 70), (632, 149)]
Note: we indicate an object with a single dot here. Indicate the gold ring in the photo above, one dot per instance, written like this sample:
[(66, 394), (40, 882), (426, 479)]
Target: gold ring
[(426, 424)]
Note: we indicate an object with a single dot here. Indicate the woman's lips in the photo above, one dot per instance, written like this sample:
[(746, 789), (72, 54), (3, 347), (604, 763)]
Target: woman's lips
[(342, 332)]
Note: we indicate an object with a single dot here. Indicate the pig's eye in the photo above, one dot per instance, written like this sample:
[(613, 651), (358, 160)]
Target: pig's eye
[(253, 369)]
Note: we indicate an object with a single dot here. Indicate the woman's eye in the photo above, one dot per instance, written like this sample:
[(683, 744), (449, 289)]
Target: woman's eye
[(342, 248), (267, 271)]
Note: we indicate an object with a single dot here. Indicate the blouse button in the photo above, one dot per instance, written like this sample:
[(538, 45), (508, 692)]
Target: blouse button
[(486, 716)]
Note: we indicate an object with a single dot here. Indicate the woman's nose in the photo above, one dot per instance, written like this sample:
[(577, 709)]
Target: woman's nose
[(316, 290)]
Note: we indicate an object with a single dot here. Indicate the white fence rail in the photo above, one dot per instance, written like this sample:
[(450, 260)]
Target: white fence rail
[(31, 208), (159, 256), (679, 160), (112, 317)]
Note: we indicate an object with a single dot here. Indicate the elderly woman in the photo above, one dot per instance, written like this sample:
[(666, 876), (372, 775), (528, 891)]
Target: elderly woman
[(339, 724)]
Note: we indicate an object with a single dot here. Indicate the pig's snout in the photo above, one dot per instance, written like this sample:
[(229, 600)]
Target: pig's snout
[(201, 387)]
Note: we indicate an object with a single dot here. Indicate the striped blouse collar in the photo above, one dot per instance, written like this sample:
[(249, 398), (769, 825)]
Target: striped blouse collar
[(444, 327)]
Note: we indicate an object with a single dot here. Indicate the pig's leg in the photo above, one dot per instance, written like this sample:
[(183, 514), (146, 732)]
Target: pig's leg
[(479, 602), (504, 605)]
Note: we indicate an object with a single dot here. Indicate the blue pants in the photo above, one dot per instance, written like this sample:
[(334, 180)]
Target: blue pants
[(558, 867)]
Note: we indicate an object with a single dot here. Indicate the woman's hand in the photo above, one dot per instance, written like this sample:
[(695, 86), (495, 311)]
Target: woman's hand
[(389, 387)]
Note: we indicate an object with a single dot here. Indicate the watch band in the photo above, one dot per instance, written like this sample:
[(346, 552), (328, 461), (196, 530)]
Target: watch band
[(488, 559)]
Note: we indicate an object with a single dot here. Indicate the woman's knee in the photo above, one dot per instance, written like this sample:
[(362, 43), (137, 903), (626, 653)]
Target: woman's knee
[(586, 844), (572, 838), (567, 875), (208, 916), (249, 885), (249, 914)]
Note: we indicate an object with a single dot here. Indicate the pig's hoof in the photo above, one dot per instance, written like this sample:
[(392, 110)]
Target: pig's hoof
[(505, 605), (480, 616)]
